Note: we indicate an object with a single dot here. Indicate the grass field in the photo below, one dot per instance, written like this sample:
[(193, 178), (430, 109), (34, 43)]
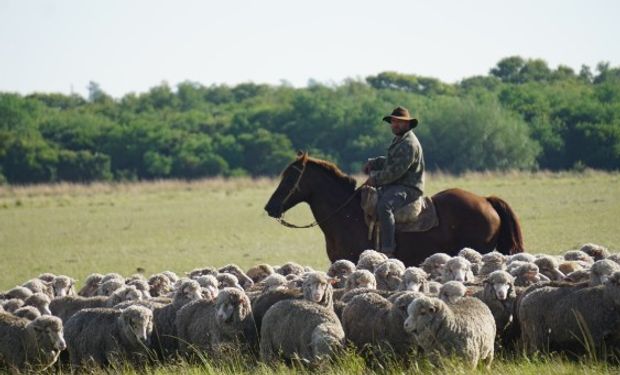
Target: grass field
[(155, 226)]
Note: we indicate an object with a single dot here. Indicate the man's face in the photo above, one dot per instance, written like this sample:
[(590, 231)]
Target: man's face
[(399, 126)]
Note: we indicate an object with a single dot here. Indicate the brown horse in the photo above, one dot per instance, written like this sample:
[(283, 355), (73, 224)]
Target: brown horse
[(465, 219)]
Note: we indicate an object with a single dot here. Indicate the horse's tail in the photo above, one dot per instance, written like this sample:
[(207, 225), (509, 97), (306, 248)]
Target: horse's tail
[(510, 239)]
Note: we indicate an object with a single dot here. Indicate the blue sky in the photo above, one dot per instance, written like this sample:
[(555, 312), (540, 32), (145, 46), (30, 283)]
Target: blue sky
[(130, 46)]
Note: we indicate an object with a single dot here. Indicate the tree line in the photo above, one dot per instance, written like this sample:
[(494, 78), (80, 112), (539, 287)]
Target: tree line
[(522, 115)]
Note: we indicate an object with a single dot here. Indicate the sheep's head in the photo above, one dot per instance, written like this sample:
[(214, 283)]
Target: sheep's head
[(232, 305), (317, 287), (40, 301), (228, 280), (291, 268), (341, 269), (47, 277), (389, 274), (597, 252), (173, 277), (457, 269), (28, 312), (421, 313), (274, 282), (92, 283), (48, 333), (126, 293), (209, 285), (601, 270), (244, 280), (361, 279), (138, 322), (187, 291), (142, 286), (108, 287), (370, 259), (400, 305), (259, 272), (434, 265), (612, 288), (452, 291), (112, 276), (549, 267), (500, 284), (414, 279), (18, 292), (471, 255), (579, 256)]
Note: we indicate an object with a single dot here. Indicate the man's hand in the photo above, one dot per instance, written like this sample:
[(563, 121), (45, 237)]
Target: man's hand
[(366, 168)]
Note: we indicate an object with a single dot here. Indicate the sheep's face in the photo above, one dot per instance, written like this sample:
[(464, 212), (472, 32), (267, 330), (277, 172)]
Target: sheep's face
[(361, 279), (612, 287), (457, 269), (139, 321), (191, 291), (109, 287), (601, 271), (314, 289), (49, 333), (227, 280), (501, 290), (41, 302), (231, 304), (421, 313), (260, 272)]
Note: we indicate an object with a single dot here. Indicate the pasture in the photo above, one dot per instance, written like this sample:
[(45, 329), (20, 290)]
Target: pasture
[(175, 225)]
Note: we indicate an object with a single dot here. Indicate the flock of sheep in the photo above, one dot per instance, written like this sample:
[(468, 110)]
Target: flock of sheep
[(466, 306)]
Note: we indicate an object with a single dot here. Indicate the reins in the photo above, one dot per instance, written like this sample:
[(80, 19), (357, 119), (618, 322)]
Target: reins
[(316, 222)]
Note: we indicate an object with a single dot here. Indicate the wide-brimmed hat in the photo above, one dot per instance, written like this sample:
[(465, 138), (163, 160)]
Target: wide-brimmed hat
[(402, 113)]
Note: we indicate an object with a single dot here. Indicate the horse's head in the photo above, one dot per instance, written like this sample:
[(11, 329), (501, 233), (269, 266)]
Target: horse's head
[(289, 192)]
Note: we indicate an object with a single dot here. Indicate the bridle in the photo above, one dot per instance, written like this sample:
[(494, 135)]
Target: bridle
[(297, 188)]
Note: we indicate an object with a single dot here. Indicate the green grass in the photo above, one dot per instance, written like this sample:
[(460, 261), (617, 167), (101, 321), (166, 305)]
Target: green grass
[(76, 230)]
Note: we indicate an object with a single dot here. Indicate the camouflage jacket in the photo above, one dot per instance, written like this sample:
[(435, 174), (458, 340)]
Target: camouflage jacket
[(404, 164)]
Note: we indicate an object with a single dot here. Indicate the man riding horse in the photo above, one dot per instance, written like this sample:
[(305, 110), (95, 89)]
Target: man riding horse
[(399, 176)]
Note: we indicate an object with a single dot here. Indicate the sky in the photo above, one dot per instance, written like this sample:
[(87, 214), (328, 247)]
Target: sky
[(132, 45)]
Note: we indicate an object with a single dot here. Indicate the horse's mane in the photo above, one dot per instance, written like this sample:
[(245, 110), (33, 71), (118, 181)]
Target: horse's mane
[(331, 169)]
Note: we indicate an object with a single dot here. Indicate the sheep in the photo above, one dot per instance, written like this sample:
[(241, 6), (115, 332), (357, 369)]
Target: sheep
[(521, 257), (569, 266), (415, 280), (39, 301), (576, 319), (457, 269), (528, 274), (39, 286), (361, 279), (216, 325), (549, 267), (91, 285), (227, 280), (19, 292), (12, 304), (159, 285), (112, 276), (578, 255), (499, 295), (434, 265), (30, 345), (370, 259), (164, 332), (341, 269), (47, 277), (370, 319), (271, 282), (63, 286), (578, 277), (142, 286), (493, 261), (104, 335), (259, 272), (316, 288), (244, 280), (597, 252), (601, 270), (474, 257), (452, 291), (197, 272), (465, 328), (27, 312), (614, 257), (108, 287), (65, 307), (173, 277), (209, 286), (433, 288), (300, 329), (389, 274), (290, 268)]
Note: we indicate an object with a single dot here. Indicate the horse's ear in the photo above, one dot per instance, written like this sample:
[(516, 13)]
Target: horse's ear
[(301, 154)]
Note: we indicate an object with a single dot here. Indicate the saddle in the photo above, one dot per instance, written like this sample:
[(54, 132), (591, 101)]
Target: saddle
[(417, 216)]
